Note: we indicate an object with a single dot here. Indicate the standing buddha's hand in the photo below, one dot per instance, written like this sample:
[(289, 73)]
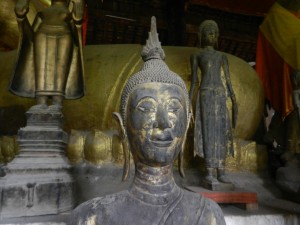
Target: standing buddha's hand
[(192, 114), (77, 12), (22, 8), (234, 110)]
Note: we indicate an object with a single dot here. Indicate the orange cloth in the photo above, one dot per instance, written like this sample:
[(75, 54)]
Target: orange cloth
[(277, 54), (274, 73), (282, 29)]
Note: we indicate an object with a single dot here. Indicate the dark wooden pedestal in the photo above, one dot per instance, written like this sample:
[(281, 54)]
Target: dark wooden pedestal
[(247, 200)]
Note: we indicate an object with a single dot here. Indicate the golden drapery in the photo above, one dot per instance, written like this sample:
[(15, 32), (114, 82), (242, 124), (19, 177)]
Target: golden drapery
[(278, 53), (281, 29)]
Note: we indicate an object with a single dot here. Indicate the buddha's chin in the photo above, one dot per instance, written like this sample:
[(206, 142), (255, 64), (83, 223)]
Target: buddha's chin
[(162, 153)]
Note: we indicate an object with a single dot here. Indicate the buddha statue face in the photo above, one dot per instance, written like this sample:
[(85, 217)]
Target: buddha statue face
[(208, 33), (157, 121)]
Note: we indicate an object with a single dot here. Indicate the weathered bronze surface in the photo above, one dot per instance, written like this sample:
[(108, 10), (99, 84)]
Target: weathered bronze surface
[(213, 136), (154, 118), (49, 60)]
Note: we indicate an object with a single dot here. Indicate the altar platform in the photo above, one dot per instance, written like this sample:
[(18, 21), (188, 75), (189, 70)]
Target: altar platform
[(98, 181)]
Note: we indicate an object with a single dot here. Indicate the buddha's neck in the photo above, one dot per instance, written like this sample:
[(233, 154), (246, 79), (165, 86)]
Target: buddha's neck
[(154, 185), (209, 48)]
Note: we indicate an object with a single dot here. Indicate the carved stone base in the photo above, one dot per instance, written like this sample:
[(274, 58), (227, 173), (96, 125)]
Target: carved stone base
[(218, 186), (38, 180)]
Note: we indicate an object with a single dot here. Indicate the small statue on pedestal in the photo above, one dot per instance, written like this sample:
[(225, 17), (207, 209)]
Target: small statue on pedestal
[(49, 62), (213, 132), (154, 119)]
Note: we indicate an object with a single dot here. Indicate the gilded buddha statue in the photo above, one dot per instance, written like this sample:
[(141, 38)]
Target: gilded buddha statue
[(213, 131), (154, 119), (49, 62)]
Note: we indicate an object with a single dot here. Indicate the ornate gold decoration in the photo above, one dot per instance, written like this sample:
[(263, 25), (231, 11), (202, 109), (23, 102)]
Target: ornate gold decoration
[(9, 147), (75, 146), (249, 156), (97, 147)]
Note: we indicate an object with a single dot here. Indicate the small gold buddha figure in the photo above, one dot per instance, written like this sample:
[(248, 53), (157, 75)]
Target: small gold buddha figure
[(49, 61), (154, 119)]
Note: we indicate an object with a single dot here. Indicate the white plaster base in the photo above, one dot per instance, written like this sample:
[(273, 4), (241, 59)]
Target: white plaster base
[(230, 220), (263, 220), (48, 223)]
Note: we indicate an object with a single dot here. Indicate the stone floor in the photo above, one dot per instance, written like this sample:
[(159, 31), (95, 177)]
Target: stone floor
[(273, 209)]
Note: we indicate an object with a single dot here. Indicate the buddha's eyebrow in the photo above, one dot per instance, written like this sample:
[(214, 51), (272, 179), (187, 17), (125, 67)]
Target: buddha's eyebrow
[(146, 99), (175, 99)]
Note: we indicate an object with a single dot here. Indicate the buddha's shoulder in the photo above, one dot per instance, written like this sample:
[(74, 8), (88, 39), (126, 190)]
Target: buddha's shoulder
[(106, 200), (192, 196), (203, 207), (93, 208)]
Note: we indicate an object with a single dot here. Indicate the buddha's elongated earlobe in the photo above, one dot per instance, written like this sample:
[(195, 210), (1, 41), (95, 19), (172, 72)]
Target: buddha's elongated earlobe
[(125, 146), (180, 160), (181, 153)]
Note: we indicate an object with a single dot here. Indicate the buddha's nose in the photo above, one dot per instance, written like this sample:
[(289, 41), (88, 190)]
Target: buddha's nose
[(162, 119)]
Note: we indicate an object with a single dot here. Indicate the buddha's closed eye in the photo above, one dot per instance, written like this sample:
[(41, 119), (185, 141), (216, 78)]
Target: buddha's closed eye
[(174, 105), (147, 105)]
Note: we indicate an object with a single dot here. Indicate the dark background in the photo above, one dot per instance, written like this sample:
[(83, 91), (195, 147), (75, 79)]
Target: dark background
[(128, 22)]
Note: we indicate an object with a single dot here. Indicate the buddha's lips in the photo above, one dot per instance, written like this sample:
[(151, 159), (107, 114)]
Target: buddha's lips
[(163, 140), (162, 144)]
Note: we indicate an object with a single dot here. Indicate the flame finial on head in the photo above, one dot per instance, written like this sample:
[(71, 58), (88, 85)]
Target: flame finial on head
[(153, 49), (154, 70)]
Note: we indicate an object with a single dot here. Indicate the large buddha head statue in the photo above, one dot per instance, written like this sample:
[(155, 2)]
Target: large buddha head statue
[(154, 108)]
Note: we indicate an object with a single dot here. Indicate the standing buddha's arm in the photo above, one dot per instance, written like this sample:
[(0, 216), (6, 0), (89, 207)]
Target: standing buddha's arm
[(194, 67), (76, 7), (21, 10), (230, 89)]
